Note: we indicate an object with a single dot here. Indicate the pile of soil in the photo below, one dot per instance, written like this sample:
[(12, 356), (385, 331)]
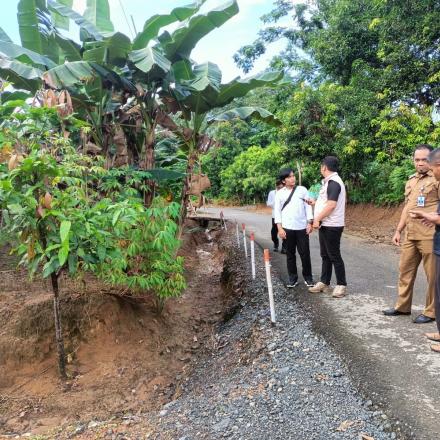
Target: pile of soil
[(122, 356)]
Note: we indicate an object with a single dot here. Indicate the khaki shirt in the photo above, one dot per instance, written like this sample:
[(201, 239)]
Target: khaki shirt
[(421, 185)]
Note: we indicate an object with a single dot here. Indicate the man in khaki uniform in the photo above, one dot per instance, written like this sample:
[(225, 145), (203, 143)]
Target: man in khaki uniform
[(422, 193)]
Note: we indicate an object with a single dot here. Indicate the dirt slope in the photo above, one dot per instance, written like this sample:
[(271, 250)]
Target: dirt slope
[(122, 356)]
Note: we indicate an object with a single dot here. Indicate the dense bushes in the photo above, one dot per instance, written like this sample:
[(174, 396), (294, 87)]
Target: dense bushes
[(366, 80), (253, 172)]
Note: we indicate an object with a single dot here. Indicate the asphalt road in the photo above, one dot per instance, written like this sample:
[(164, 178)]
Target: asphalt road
[(388, 357)]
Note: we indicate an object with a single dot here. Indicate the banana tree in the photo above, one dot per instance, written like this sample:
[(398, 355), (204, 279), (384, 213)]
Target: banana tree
[(196, 91), (102, 72), (108, 75)]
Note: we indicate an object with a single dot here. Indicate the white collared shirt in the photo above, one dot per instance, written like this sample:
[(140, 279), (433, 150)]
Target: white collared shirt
[(297, 212), (271, 201)]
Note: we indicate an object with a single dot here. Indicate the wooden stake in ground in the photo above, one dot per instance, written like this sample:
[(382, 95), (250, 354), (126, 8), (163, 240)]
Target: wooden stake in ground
[(222, 221), (238, 234), (252, 237), (243, 227), (269, 285), (58, 330)]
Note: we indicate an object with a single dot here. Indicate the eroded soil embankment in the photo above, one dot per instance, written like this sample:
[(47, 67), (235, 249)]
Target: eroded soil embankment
[(123, 357)]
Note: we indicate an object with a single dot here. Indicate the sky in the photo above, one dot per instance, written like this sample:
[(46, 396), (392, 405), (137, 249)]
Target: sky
[(218, 46)]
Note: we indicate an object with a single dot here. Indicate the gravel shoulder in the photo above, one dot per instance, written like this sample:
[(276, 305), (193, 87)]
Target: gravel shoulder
[(389, 358), (258, 381), (271, 382)]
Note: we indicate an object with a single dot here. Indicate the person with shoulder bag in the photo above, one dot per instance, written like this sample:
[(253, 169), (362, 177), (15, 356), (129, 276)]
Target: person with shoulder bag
[(294, 217)]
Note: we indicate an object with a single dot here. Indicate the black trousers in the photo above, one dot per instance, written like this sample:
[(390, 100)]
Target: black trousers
[(330, 246), (437, 291), (298, 239), (274, 235)]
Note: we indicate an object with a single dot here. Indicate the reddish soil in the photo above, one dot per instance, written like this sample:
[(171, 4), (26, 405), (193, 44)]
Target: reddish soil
[(122, 356), (376, 223)]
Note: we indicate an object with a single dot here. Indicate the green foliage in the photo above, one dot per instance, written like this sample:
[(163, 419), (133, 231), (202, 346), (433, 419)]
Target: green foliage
[(233, 138), (148, 247), (252, 174), (51, 212), (381, 183), (63, 211), (399, 129)]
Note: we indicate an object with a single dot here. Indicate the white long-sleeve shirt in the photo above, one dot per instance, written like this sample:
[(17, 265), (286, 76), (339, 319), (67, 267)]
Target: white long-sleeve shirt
[(271, 201), (297, 212)]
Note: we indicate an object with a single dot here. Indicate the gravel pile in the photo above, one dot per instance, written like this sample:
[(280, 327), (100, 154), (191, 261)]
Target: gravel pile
[(263, 382)]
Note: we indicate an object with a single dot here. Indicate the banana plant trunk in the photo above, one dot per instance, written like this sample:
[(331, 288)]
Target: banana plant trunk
[(150, 143), (185, 189)]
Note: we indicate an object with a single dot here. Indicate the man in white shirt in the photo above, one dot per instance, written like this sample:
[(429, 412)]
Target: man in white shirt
[(274, 231), (294, 218)]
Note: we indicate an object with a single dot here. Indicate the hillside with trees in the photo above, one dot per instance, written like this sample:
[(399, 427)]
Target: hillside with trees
[(365, 87)]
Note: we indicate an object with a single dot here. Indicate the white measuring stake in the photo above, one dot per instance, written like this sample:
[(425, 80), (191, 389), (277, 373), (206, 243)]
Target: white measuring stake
[(269, 285), (253, 255), (243, 227), (238, 234)]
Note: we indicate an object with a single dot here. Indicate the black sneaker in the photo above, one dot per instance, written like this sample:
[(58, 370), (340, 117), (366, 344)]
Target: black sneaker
[(292, 283), (309, 282)]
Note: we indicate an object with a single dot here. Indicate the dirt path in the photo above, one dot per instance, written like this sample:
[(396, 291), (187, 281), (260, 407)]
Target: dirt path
[(388, 357)]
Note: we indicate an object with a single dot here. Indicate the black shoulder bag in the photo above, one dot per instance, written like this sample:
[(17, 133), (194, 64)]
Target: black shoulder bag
[(289, 198)]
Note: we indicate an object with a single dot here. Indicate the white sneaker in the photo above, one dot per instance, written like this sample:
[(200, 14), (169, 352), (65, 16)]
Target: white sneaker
[(319, 287), (339, 291)]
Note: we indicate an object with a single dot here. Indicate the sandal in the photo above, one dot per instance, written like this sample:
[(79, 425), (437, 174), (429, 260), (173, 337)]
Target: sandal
[(435, 347), (433, 336)]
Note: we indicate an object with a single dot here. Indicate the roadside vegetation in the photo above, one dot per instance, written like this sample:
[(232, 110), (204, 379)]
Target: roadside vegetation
[(366, 84), (99, 140)]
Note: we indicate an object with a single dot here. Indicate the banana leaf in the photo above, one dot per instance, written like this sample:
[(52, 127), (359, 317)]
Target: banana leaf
[(69, 50), (240, 87), (245, 113), (183, 40), (98, 13), (148, 59), (202, 90), (61, 21), (33, 18), (65, 11), (160, 174), (113, 50), (153, 25), (21, 75), (4, 36), (83, 72), (14, 51)]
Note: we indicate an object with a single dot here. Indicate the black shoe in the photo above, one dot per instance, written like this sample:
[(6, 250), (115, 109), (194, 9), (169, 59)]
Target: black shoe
[(423, 319), (293, 282), (394, 312), (309, 282), (283, 251)]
